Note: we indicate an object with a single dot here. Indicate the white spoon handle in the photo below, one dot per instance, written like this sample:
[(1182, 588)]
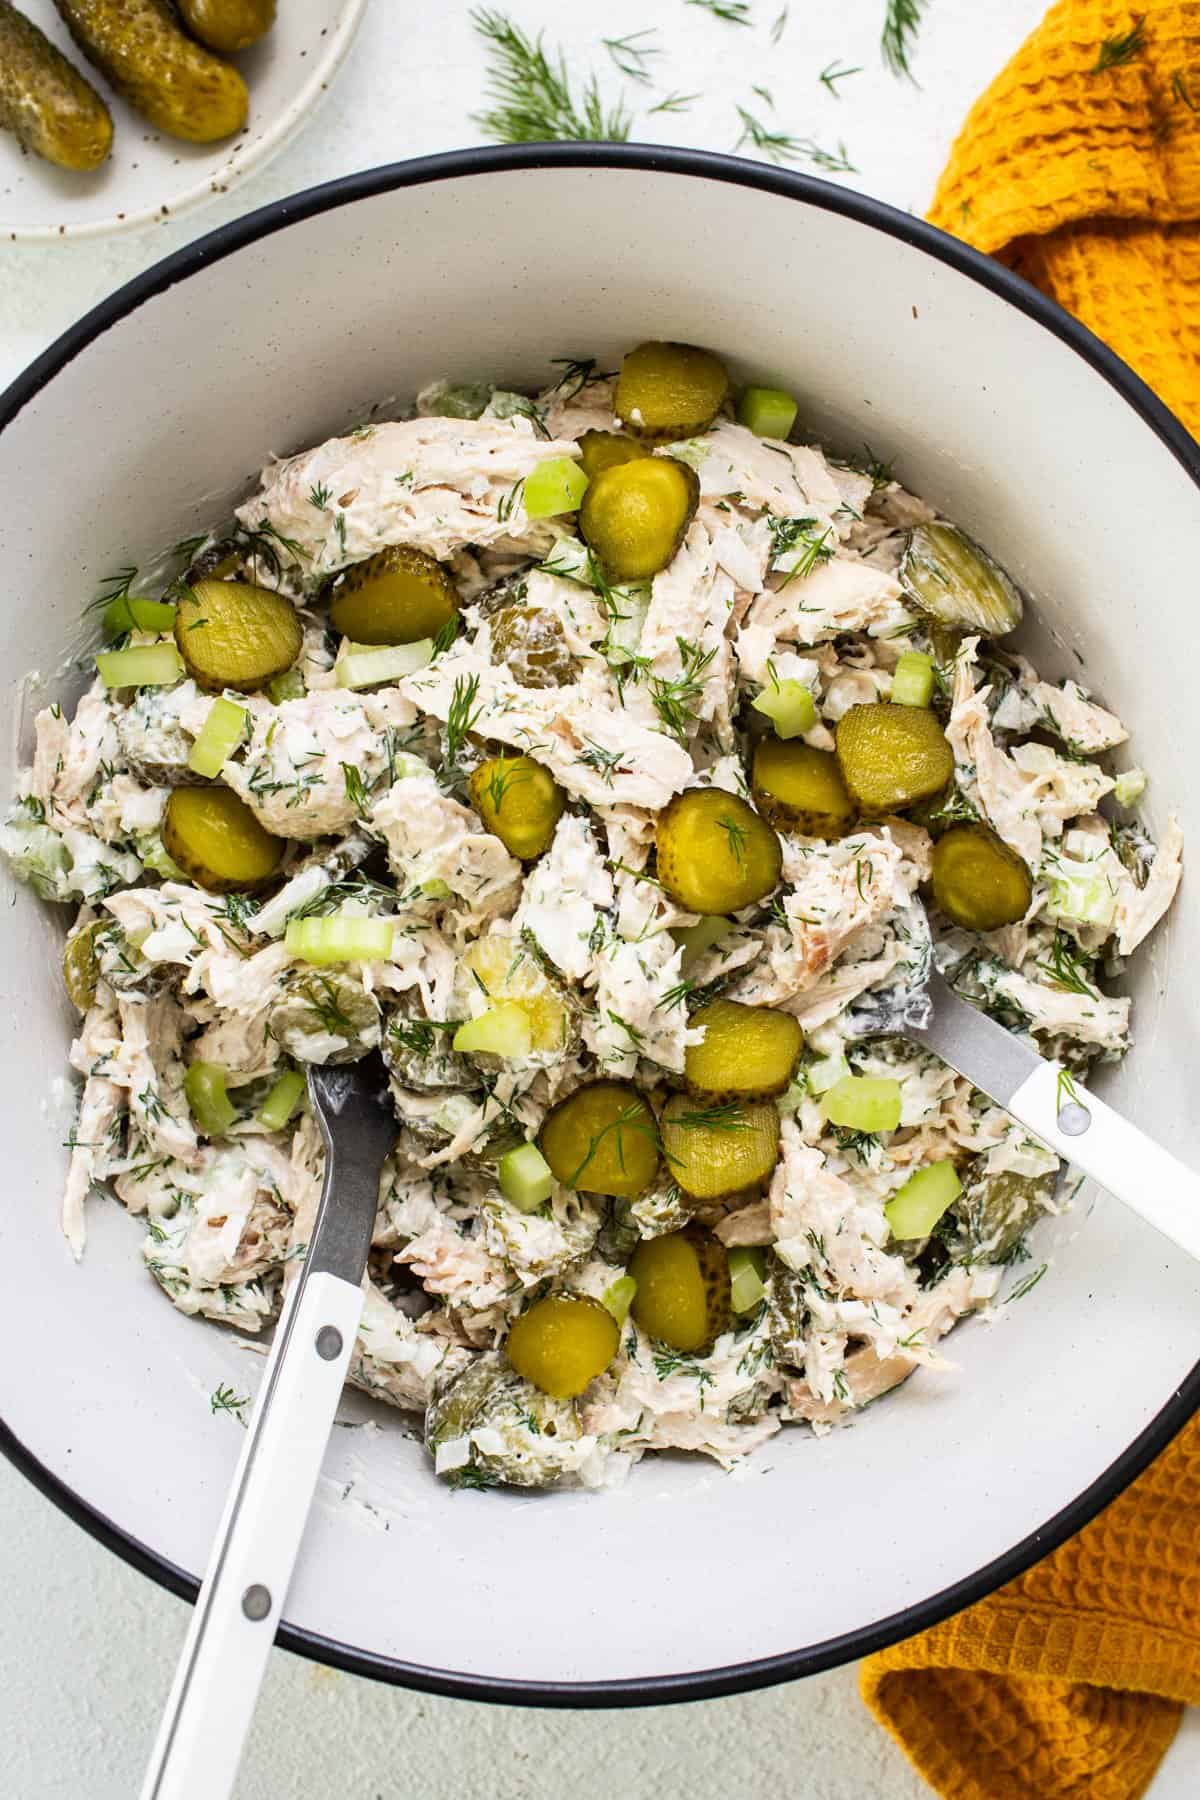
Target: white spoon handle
[(233, 1625), (1139, 1172)]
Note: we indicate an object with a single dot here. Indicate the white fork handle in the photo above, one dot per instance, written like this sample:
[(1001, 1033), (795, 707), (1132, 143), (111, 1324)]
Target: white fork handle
[(1122, 1159), (233, 1626)]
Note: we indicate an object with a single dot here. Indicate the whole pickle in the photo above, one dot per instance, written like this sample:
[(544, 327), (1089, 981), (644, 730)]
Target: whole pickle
[(228, 25), (45, 102), (138, 46)]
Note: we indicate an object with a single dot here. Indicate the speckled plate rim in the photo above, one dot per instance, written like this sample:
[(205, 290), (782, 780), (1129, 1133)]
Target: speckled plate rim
[(261, 143), (700, 1684)]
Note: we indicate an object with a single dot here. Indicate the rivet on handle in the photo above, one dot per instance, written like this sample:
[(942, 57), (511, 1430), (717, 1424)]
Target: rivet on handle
[(1073, 1119), (329, 1343), (256, 1601)]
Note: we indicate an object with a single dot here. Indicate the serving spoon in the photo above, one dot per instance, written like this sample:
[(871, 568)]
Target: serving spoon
[(1046, 1098), (220, 1670)]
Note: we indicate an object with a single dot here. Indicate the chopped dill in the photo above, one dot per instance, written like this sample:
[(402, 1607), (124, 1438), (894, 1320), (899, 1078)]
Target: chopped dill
[(728, 1116), (606, 763), (737, 835), (463, 714), (675, 698), (779, 26), (799, 537), (1066, 968), (782, 147), (1029, 1282), (1123, 48), (357, 791), (503, 777), (834, 72), (675, 103), (447, 635), (530, 92), (634, 1117), (510, 501), (901, 24), (318, 496), (225, 1400), (731, 12), (631, 56), (578, 372)]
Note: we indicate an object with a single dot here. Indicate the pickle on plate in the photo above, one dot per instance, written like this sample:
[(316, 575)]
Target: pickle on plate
[(669, 391), (519, 801), (233, 635), (715, 854), (562, 1343), (747, 1053), (635, 515), (950, 578), (802, 788), (80, 964), (140, 49), (605, 449), (228, 26), (44, 100), (978, 880), (529, 642), (683, 1293), (891, 756), (602, 1139), (715, 1150), (217, 840), (398, 596)]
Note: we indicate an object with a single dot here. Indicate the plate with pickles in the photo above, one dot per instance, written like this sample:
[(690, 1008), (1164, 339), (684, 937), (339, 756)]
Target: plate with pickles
[(598, 753), (122, 113)]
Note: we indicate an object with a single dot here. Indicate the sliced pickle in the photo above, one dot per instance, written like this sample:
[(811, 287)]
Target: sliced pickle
[(562, 1343), (717, 1149), (602, 1139), (715, 854), (217, 840), (891, 756), (799, 787), (233, 635), (947, 575), (978, 881), (669, 391), (683, 1293), (398, 596), (519, 801), (529, 642), (605, 449), (748, 1052), (507, 973), (635, 515), (80, 965)]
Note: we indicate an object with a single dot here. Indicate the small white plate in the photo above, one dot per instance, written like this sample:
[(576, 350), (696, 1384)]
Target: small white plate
[(150, 178)]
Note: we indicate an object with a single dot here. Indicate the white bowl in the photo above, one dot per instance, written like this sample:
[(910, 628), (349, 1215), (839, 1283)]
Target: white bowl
[(150, 179), (148, 420)]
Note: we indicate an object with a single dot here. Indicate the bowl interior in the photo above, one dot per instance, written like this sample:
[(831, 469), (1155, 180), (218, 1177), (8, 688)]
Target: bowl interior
[(272, 341)]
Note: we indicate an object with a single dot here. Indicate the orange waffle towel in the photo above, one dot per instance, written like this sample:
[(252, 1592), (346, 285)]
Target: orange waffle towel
[(1069, 1683)]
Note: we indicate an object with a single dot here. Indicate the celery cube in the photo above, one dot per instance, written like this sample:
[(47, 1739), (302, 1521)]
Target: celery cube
[(767, 412), (555, 486)]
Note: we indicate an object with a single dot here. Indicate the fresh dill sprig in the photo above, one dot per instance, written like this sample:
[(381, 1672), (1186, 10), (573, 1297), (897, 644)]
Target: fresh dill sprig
[(463, 714), (834, 72), (1121, 49), (633, 1118), (509, 502), (113, 588), (607, 763), (802, 537), (1182, 92), (357, 791), (530, 92), (782, 147), (225, 1400), (1066, 968), (631, 56), (729, 1116), (505, 775), (900, 27), (418, 1036), (1028, 1283), (447, 636), (318, 496), (731, 12), (578, 372), (675, 103), (679, 995), (737, 835), (675, 697)]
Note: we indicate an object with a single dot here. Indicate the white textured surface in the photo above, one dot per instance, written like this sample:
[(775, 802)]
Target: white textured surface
[(87, 1646)]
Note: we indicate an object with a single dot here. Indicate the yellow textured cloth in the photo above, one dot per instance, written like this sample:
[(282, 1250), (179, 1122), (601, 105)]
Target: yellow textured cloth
[(1069, 1683)]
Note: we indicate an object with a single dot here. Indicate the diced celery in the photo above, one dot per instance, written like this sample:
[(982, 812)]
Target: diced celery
[(525, 1177), (212, 1109), (694, 940), (155, 857), (1130, 786), (502, 1030), (128, 613), (790, 707), (219, 736), (823, 1075), (370, 665), (916, 1208), (436, 889), (342, 937), (288, 686), (746, 1278), (864, 1103), (768, 412), (793, 1097), (455, 1112), (618, 1297), (912, 680), (146, 665), (280, 1104), (1081, 893), (554, 486)]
